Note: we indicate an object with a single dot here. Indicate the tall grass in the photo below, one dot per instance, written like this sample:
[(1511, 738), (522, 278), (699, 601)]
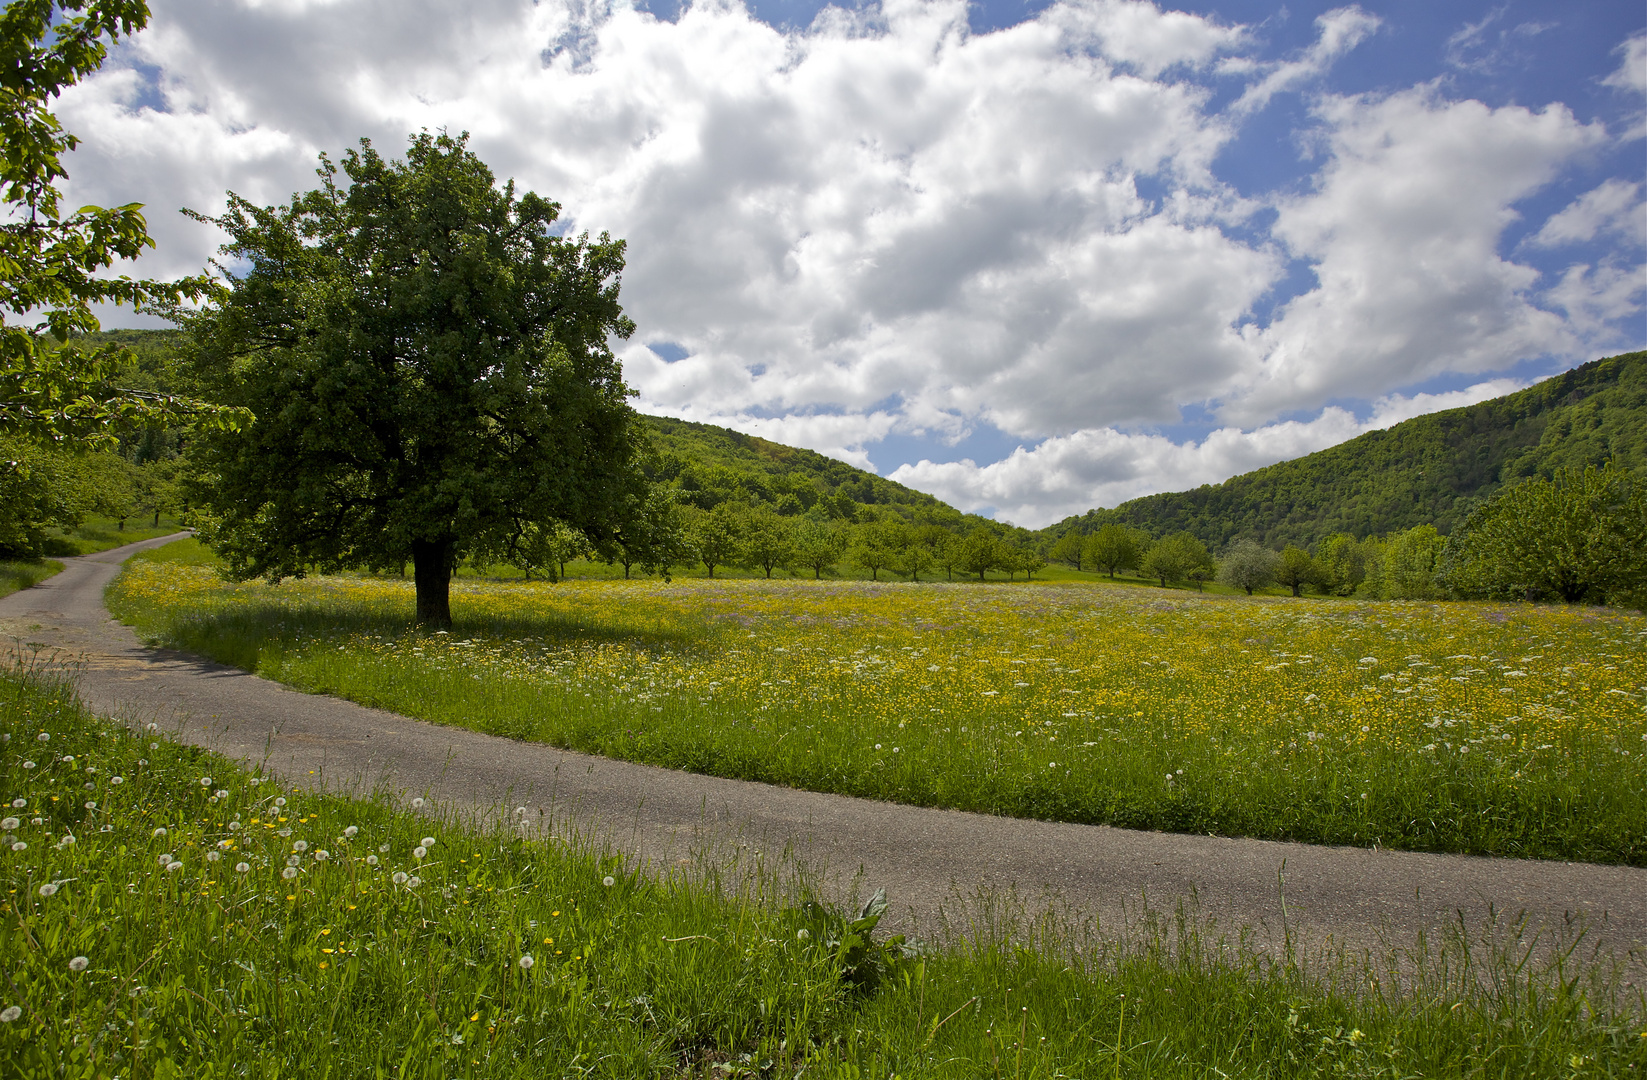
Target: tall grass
[(98, 533), (19, 574), (169, 914), (1448, 727)]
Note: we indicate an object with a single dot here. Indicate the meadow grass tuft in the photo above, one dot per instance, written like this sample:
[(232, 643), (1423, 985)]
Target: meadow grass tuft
[(19, 574), (168, 913), (1489, 729)]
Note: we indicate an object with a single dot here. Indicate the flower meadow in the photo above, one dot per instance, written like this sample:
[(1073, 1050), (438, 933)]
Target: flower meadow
[(1488, 729), (168, 913)]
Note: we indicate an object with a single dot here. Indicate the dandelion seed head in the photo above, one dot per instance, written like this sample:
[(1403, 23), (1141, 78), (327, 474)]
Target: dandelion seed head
[(399, 877), (526, 962), (213, 856), (28, 764), (803, 934), (413, 882), (300, 845), (117, 780), (164, 859), (289, 872), (18, 804), (48, 890), (383, 849), (19, 846), (221, 793), (322, 855), (152, 746), (9, 1014), (352, 831), (417, 804), (241, 868), (10, 824), (174, 867), (428, 841), (280, 801), (371, 860), (44, 736), (79, 963), (91, 805), (293, 860), (419, 852), (151, 727), (160, 831), (607, 881)]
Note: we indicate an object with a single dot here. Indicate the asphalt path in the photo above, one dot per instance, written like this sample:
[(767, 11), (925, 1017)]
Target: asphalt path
[(932, 862)]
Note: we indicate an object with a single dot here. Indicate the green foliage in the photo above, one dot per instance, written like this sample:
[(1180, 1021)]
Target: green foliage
[(1175, 558), (430, 368), (53, 265), (1432, 469), (1408, 564), (16, 575), (716, 536), (1297, 568), (1113, 547), (1581, 536), (767, 541), (818, 546)]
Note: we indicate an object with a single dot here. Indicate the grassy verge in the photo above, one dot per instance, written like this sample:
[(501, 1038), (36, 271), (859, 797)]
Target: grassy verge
[(1450, 727), (19, 574), (169, 914), (101, 533)]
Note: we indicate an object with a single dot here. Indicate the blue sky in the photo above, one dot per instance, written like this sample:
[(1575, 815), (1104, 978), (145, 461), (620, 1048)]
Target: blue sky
[(1031, 258)]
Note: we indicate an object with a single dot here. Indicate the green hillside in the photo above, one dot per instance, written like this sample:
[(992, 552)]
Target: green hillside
[(711, 465), (1429, 470)]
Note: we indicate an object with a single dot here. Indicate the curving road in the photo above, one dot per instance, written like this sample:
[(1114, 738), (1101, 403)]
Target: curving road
[(927, 859)]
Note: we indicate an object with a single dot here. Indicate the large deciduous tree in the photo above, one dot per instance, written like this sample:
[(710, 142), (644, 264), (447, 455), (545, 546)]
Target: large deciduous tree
[(1248, 565), (429, 368)]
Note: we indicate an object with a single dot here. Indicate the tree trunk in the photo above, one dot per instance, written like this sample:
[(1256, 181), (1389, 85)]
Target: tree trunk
[(432, 571)]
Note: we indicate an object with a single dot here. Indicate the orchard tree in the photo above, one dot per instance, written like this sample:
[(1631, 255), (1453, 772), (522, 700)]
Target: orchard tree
[(1580, 536), (817, 546), (978, 552), (768, 541), (429, 369), (1070, 548), (1299, 568), (1248, 565), (1112, 548), (715, 536), (53, 265), (1410, 559), (1174, 557)]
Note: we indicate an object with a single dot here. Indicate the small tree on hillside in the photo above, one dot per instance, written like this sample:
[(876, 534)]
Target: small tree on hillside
[(768, 541), (978, 552), (1070, 548), (1248, 565), (817, 546), (715, 536)]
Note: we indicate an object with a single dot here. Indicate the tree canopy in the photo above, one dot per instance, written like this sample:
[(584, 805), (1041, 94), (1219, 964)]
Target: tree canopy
[(428, 364)]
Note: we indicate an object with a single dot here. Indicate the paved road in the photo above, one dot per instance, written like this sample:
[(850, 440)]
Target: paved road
[(925, 858)]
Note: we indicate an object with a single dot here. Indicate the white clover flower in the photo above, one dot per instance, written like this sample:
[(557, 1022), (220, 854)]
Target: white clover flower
[(213, 856), (419, 852), (607, 881), (428, 841), (300, 845), (117, 780), (160, 831), (417, 804), (526, 962), (289, 873), (371, 860), (10, 1013), (79, 963), (48, 890), (351, 831), (174, 867), (399, 878), (241, 868), (10, 824)]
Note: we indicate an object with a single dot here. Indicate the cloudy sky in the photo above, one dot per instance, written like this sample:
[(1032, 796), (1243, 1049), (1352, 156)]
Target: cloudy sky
[(1030, 257)]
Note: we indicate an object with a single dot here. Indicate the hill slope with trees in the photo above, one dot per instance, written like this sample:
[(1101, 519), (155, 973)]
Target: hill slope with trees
[(1430, 470)]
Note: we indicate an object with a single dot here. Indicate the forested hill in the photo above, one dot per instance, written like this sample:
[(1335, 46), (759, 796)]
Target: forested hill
[(1428, 470), (710, 464)]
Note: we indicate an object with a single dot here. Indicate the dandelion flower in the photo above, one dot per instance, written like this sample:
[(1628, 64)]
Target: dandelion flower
[(351, 831), (18, 804), (428, 841), (371, 860), (280, 801), (44, 736), (289, 873), (160, 832), (213, 856), (174, 867), (10, 824), (117, 780), (293, 860), (417, 804), (241, 868), (19, 846), (28, 764), (300, 845), (607, 881), (322, 855), (419, 852), (10, 1013), (165, 859), (413, 882), (48, 890), (91, 805), (399, 878), (803, 934), (526, 962), (79, 963)]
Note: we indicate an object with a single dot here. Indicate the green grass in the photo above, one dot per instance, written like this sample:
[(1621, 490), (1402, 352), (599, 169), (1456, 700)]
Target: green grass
[(19, 574), (127, 949), (101, 533), (1487, 729)]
